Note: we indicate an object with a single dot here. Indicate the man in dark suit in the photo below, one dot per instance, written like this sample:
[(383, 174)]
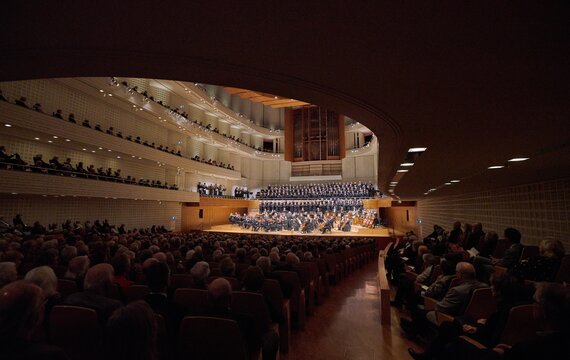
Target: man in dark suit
[(484, 266), (453, 303), (458, 296), (97, 283)]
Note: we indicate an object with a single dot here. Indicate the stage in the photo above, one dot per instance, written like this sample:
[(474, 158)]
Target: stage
[(357, 231)]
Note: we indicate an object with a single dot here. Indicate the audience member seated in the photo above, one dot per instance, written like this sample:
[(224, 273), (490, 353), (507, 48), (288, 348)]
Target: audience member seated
[(21, 315), (122, 266), (131, 333), (508, 292), (200, 273), (8, 273), (219, 297), (452, 303), (484, 266), (543, 267), (86, 123), (37, 107), (71, 118), (22, 102), (97, 284), (59, 114)]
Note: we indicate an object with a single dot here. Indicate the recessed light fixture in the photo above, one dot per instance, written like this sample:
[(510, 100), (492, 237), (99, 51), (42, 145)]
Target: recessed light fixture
[(426, 193), (100, 148), (407, 164), (67, 140), (495, 167), (8, 125), (14, 193), (402, 170), (432, 189), (110, 95), (140, 158), (447, 183), (49, 141), (417, 149), (118, 157), (55, 137), (36, 138), (84, 149), (455, 181), (132, 156), (518, 159), (393, 182), (101, 90), (109, 150), (92, 151)]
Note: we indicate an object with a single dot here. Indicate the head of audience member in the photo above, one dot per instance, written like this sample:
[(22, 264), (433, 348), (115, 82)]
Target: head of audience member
[(8, 273), (44, 277), (160, 256), (465, 271), (291, 259), (121, 264), (21, 311), (67, 253), (429, 259), (553, 312), (99, 279), (220, 294), (227, 267), (491, 237), (551, 248), (274, 257), (157, 277), (241, 253), (477, 227), (264, 263), (217, 255), (253, 279), (77, 267), (447, 267), (131, 333), (513, 235), (508, 289), (200, 273)]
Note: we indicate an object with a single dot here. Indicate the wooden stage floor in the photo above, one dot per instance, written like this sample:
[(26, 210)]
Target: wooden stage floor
[(356, 231)]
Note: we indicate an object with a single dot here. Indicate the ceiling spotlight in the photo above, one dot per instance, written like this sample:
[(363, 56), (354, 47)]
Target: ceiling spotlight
[(101, 90), (518, 159), (109, 150), (455, 181), (55, 137), (84, 149), (118, 157), (49, 141), (36, 138), (402, 170), (100, 148), (132, 156), (67, 140), (426, 193), (92, 151), (8, 125), (111, 95), (407, 164), (495, 167), (417, 149), (447, 183)]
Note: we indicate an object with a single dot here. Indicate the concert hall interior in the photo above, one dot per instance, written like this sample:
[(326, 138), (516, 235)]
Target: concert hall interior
[(284, 180)]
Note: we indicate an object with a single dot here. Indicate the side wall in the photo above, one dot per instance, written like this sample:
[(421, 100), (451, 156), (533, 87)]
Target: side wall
[(46, 210), (538, 210)]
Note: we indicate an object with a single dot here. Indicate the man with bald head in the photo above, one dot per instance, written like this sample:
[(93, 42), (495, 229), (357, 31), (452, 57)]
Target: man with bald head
[(97, 285), (453, 303)]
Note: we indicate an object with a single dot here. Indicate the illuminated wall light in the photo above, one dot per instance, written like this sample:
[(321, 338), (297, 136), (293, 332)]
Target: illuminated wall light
[(407, 164), (402, 170), (518, 159), (495, 167), (417, 149), (455, 181)]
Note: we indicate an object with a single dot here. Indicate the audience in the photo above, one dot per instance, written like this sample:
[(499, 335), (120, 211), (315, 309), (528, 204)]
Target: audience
[(131, 333), (97, 284), (21, 315), (318, 191)]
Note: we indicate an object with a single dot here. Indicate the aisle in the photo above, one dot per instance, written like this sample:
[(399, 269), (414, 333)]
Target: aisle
[(347, 325)]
